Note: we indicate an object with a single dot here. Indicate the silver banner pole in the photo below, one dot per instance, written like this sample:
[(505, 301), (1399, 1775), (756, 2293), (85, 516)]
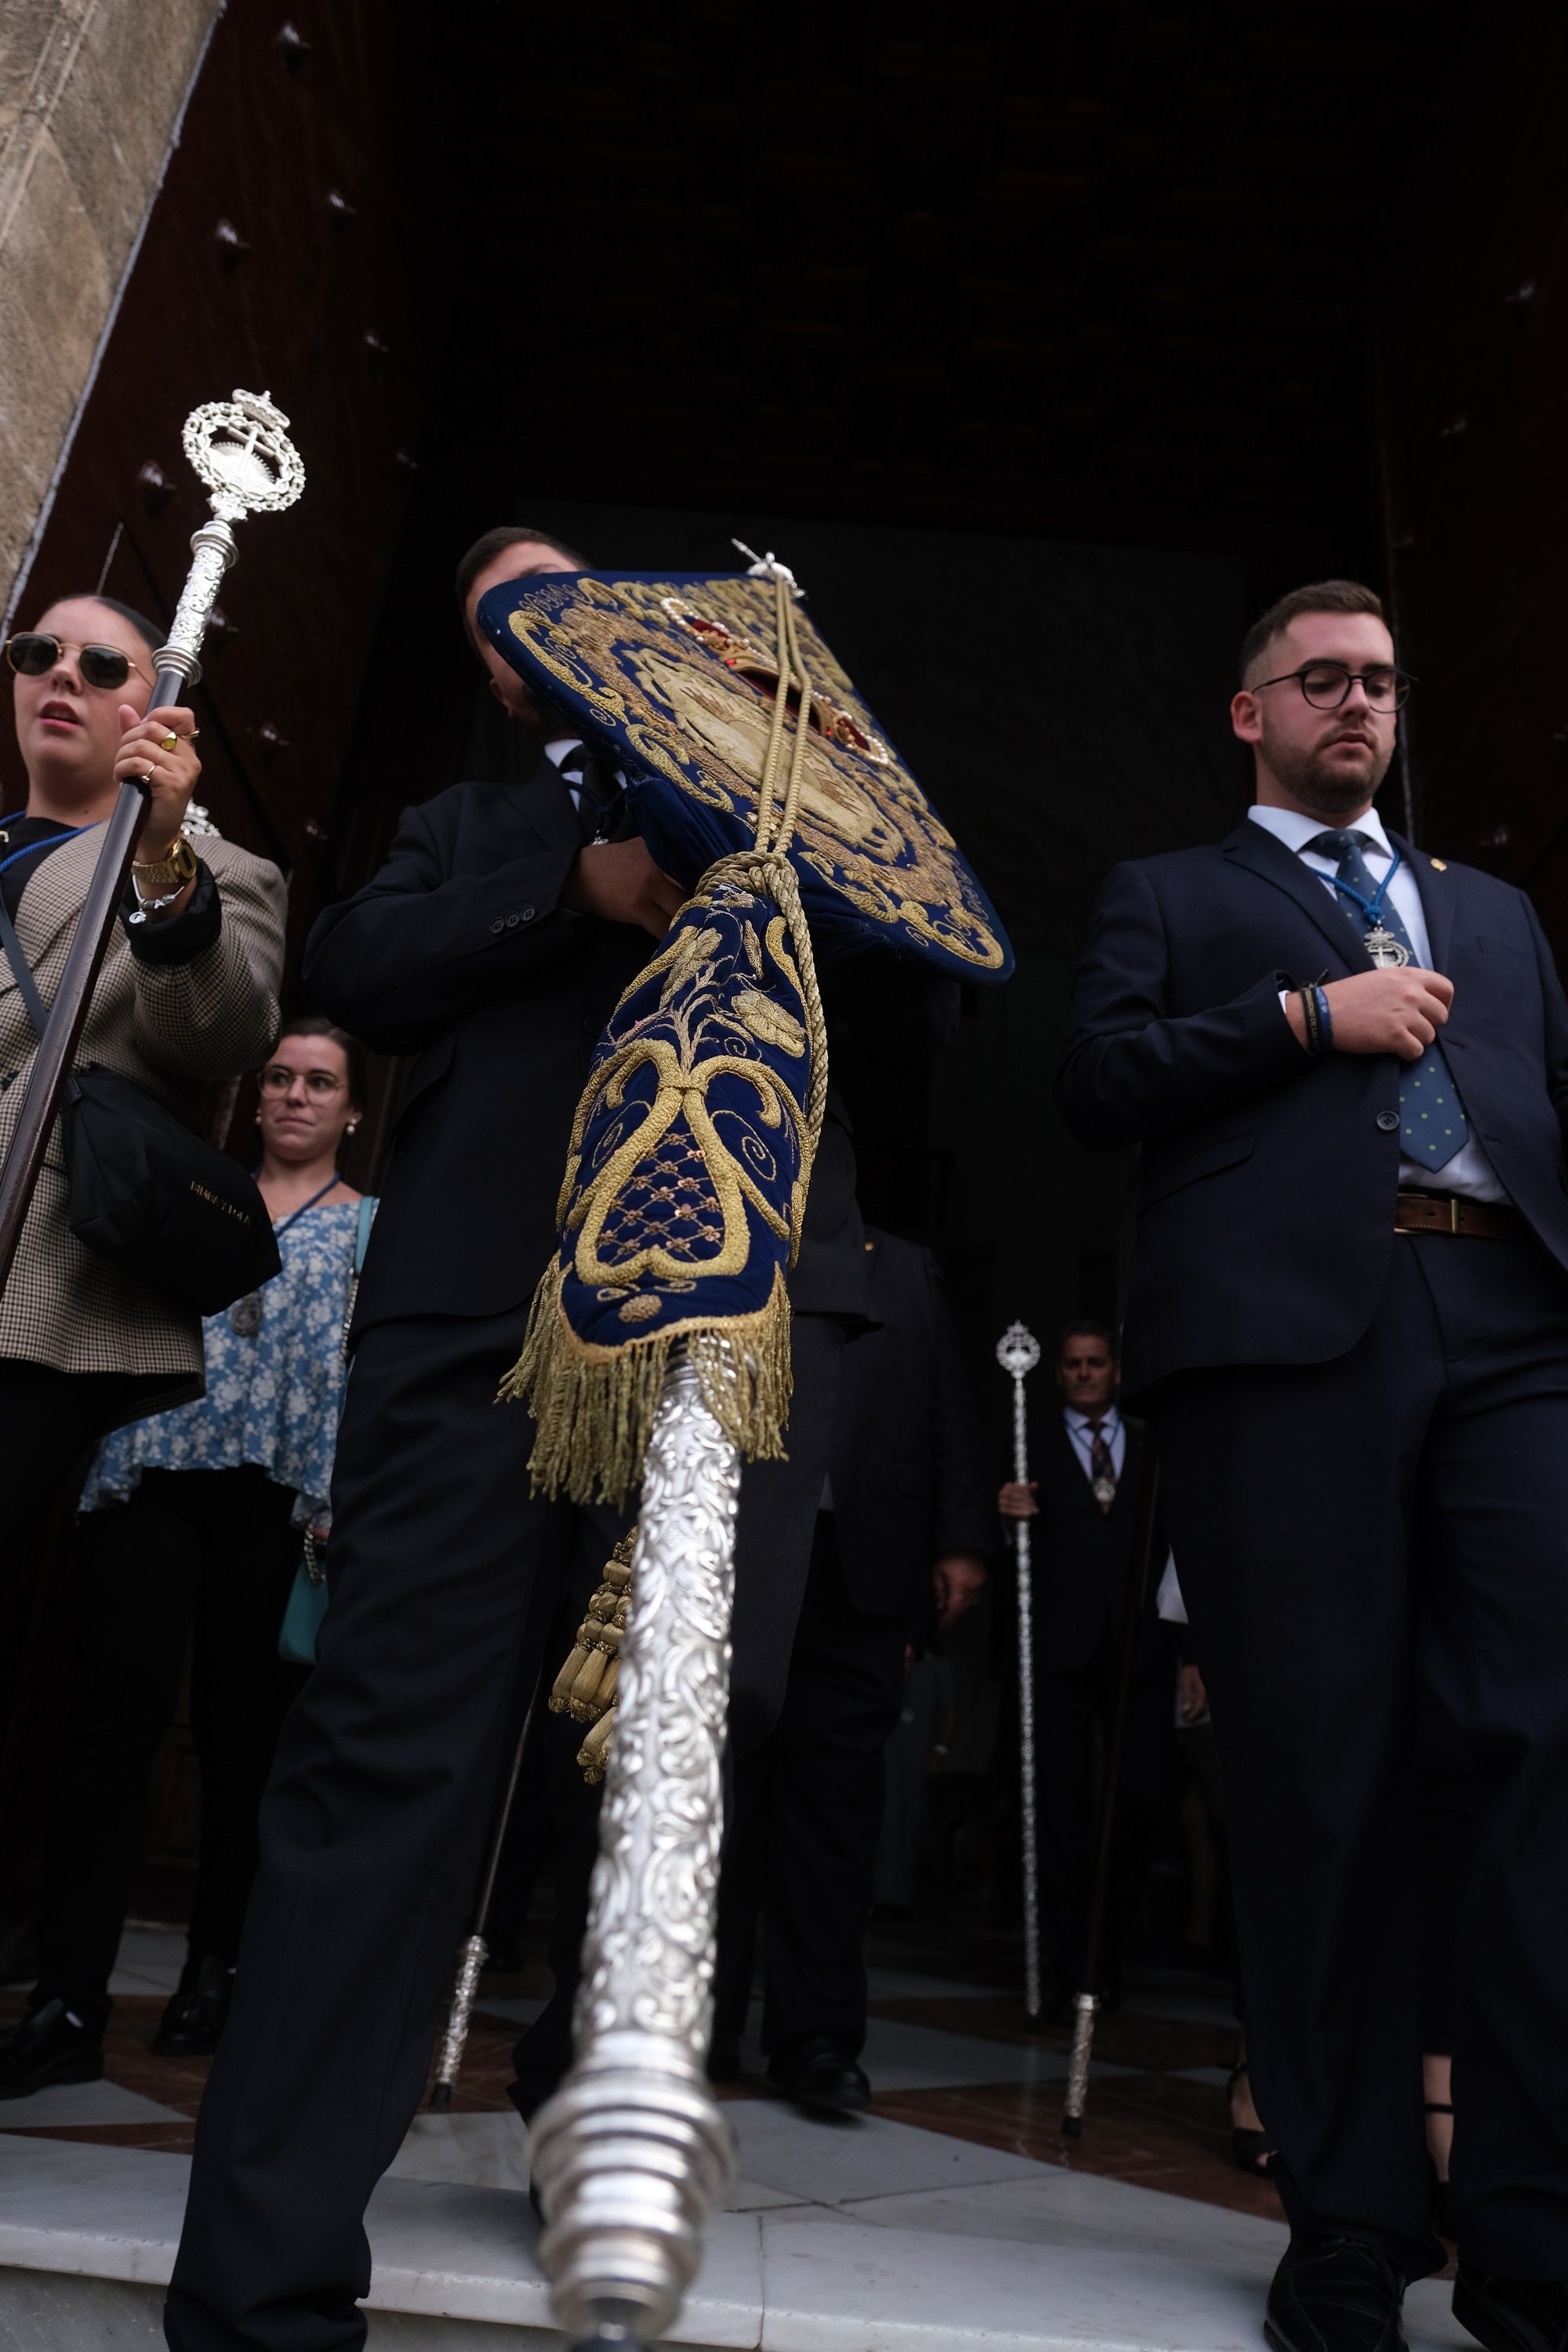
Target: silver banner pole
[(1018, 1352), (633, 2152)]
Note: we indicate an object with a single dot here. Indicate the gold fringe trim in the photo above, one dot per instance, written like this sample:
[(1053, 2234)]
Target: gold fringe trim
[(594, 1406)]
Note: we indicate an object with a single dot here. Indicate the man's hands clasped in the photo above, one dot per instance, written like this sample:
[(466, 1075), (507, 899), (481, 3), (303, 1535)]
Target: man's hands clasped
[(1386, 1012)]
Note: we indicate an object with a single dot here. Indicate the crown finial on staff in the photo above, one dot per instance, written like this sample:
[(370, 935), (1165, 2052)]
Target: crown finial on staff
[(1017, 1350), (241, 450)]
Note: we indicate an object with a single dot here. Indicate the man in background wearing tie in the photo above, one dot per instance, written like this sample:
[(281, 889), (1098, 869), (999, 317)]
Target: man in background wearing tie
[(1346, 1062), (1085, 1502)]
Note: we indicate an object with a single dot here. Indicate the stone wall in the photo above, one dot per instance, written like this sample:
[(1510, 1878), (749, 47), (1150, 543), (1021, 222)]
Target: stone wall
[(92, 93)]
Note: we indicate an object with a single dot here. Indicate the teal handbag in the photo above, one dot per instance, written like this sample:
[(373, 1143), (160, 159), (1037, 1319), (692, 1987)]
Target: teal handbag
[(307, 1594), (306, 1607)]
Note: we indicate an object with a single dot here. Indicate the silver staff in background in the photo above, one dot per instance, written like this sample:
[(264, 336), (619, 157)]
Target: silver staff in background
[(632, 2153), (473, 1954), (242, 451), (1018, 1352), (1085, 2007)]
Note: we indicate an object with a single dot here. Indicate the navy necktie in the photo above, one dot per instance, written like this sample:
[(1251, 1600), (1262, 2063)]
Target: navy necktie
[(1433, 1125)]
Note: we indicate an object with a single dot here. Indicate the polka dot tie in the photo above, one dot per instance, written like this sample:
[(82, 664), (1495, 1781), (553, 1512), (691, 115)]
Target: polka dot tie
[(1432, 1123)]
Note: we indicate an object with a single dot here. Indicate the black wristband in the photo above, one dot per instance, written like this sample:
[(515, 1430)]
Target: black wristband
[(1314, 1026)]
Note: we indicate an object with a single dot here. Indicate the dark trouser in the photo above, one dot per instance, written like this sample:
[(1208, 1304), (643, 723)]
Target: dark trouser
[(1449, 1812), (773, 1556), (1326, 1520), (445, 1574), (808, 1805), (1074, 1716), (208, 1550), (50, 1423)]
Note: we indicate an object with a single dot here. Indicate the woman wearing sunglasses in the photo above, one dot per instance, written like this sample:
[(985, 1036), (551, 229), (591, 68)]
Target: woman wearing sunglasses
[(187, 993)]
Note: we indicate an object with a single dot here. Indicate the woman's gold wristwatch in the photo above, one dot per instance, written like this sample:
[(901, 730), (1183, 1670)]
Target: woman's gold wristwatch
[(161, 874)]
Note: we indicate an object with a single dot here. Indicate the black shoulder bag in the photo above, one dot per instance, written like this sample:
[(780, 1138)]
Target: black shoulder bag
[(146, 1193)]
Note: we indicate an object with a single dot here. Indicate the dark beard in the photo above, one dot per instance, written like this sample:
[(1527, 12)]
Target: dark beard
[(1324, 790)]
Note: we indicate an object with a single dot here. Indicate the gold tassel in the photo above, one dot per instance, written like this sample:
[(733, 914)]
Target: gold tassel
[(594, 1406), (585, 1686), (594, 1756)]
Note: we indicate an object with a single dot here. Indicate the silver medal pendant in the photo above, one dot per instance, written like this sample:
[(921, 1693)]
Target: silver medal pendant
[(1104, 1491), (244, 1315), (1386, 953)]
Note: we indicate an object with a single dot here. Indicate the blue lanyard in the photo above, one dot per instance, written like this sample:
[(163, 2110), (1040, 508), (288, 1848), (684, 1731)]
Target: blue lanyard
[(1371, 907), (51, 841), (332, 1181)]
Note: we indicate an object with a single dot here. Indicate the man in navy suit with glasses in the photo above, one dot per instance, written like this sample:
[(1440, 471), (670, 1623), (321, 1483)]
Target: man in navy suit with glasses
[(1346, 1063)]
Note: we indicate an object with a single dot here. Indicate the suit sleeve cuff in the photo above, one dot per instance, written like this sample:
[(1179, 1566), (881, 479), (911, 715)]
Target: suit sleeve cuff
[(183, 937)]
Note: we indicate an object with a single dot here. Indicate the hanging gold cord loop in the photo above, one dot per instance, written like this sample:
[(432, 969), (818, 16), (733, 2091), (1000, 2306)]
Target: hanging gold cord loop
[(586, 1686)]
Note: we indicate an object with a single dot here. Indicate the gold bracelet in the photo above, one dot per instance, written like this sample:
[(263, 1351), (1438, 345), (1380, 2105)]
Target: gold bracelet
[(168, 873)]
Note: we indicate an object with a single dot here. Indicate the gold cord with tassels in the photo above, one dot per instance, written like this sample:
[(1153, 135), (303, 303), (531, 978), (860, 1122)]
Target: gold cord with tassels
[(586, 1686), (755, 1405)]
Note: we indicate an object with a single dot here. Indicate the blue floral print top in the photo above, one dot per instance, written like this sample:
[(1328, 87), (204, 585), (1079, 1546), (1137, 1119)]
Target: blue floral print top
[(272, 1397)]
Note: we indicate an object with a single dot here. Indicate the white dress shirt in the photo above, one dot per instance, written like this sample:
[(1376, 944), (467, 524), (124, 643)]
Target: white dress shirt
[(555, 750), (1469, 1171), (1082, 1438)]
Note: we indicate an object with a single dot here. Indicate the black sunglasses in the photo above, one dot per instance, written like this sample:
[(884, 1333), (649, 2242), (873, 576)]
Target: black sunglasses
[(32, 655)]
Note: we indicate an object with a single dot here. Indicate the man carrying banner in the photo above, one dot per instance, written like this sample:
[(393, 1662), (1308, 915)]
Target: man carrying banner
[(494, 944)]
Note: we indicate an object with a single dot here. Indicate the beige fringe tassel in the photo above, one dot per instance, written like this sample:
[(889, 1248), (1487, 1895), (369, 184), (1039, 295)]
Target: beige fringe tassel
[(586, 1686), (594, 1406)]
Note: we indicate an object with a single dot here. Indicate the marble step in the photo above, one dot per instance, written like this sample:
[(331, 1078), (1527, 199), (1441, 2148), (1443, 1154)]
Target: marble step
[(88, 2236)]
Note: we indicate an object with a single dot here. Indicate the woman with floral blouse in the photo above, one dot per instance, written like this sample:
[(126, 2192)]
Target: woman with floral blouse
[(192, 1530)]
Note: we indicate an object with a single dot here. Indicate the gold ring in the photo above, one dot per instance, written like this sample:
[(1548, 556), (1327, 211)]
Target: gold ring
[(169, 743)]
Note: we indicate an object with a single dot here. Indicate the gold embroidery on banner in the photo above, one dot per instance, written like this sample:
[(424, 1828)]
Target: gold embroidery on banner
[(677, 671)]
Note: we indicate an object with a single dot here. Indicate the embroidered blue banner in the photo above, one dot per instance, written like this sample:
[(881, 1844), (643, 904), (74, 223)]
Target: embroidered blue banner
[(672, 677)]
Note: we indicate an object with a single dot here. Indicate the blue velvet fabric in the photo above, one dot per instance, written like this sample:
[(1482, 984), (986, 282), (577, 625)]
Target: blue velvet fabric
[(684, 1186), (672, 677)]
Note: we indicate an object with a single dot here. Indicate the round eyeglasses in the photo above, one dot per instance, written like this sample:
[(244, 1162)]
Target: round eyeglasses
[(1326, 685), (277, 1079)]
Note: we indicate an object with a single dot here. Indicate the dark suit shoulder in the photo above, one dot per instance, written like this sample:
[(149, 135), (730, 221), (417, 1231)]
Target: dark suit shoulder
[(477, 801), (1478, 887), (1171, 873), (900, 1255)]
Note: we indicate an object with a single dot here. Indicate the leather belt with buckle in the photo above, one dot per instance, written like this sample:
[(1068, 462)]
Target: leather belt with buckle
[(1450, 1213)]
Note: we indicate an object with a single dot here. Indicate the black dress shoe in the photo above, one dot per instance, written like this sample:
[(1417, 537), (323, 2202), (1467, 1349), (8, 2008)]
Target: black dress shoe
[(821, 2072), (724, 2061), (48, 2048), (194, 2021), (1336, 2295), (1511, 2315)]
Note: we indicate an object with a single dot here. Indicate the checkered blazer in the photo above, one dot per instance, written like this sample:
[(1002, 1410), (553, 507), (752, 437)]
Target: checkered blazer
[(173, 1027)]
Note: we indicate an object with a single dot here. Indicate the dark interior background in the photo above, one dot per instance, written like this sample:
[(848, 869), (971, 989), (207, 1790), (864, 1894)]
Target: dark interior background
[(1048, 341)]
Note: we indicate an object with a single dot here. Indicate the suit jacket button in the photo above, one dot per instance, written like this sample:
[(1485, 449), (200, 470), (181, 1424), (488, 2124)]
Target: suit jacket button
[(512, 922), (500, 923), (526, 916), (1388, 1120)]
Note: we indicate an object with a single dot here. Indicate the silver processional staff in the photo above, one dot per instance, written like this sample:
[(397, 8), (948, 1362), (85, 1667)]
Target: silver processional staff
[(1018, 1352), (241, 450)]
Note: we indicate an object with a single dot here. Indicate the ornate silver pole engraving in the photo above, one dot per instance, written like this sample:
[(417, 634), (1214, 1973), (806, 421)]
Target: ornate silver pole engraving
[(632, 2151), (241, 450), (1018, 1352), (471, 1959)]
